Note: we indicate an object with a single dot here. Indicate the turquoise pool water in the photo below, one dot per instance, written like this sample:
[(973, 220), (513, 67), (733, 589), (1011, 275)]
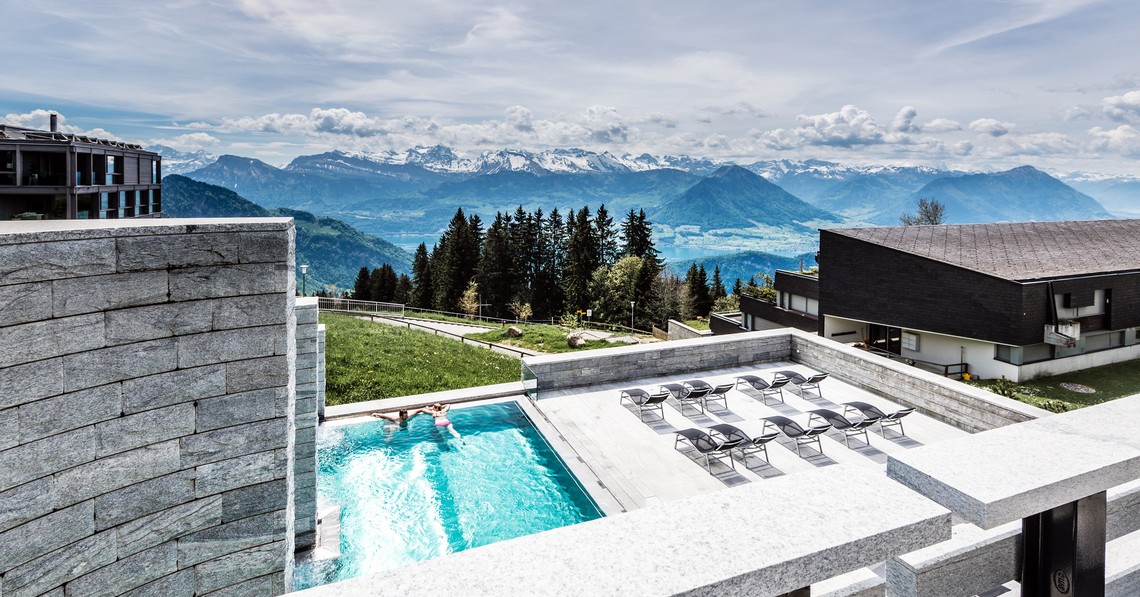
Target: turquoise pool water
[(417, 493)]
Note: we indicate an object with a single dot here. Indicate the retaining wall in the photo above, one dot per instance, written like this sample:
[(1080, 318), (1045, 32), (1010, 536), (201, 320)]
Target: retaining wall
[(309, 357), (146, 407)]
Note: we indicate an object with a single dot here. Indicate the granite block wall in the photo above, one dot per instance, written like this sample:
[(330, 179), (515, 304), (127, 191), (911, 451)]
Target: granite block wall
[(146, 407), (309, 354)]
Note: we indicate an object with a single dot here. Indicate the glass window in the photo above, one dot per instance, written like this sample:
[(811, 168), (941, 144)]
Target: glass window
[(1037, 352)]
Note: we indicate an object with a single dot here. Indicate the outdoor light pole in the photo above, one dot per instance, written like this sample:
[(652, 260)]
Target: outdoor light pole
[(631, 303), (304, 278)]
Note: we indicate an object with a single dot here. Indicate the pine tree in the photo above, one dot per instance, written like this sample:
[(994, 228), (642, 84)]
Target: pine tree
[(360, 288), (582, 259), (421, 295), (737, 287), (637, 234), (547, 296), (403, 290), (717, 290), (605, 236), (496, 274), (455, 260)]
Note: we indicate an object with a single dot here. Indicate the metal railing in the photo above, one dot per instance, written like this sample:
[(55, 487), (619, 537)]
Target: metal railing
[(438, 332), (937, 368)]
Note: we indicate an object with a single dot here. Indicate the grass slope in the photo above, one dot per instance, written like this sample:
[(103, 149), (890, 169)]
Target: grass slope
[(543, 338), (1109, 381), (370, 361)]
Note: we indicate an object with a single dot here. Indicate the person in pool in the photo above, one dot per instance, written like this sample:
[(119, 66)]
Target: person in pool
[(439, 411), (401, 417)]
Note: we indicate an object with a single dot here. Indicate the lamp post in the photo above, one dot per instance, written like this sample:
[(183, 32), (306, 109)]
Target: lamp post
[(304, 276), (631, 303)]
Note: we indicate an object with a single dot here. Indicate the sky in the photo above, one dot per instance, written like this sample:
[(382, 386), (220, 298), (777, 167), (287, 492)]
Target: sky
[(973, 84)]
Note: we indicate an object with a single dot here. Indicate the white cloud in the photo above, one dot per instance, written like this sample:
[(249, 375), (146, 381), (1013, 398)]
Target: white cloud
[(991, 127), (904, 120), (1075, 113), (849, 127), (1038, 144), (41, 119), (1124, 108), (941, 125), (1124, 139), (189, 141)]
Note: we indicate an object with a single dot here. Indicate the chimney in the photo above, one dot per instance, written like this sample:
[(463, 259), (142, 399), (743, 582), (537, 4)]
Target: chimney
[(54, 122)]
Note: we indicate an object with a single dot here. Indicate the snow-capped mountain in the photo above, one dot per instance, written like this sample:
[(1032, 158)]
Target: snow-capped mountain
[(181, 162)]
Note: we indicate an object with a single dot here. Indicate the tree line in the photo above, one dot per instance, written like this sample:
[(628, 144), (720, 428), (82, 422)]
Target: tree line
[(546, 265)]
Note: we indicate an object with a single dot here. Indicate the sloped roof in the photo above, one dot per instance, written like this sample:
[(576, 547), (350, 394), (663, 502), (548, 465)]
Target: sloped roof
[(1019, 251)]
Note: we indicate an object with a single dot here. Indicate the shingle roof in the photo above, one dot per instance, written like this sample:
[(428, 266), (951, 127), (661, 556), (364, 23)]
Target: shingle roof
[(1019, 251)]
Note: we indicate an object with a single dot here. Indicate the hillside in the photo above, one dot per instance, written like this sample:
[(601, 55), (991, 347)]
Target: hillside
[(736, 198), (335, 251), (1020, 194), (743, 264), (877, 197)]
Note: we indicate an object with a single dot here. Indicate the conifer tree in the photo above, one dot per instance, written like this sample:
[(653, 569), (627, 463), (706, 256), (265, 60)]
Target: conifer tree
[(360, 288), (403, 290), (737, 287), (582, 259), (547, 296), (605, 236), (717, 291), (455, 259), (421, 294), (496, 274), (637, 235)]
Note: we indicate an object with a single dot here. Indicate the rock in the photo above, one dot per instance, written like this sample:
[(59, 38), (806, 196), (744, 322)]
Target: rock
[(514, 331), (575, 340), (622, 340)]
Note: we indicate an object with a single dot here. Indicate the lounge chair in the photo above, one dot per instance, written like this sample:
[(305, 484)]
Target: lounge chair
[(802, 383), (793, 430), (746, 443), (645, 401), (842, 423), (708, 446), (775, 388), (694, 392), (885, 419), (719, 392)]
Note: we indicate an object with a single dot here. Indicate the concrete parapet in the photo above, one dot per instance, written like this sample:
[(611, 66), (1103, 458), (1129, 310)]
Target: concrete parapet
[(147, 407)]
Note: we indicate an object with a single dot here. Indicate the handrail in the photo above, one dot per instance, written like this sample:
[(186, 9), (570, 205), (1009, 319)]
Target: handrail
[(959, 368), (438, 332)]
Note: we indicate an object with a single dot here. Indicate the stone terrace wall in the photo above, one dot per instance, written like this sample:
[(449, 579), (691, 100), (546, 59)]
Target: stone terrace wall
[(663, 358), (146, 407), (309, 356), (963, 406)]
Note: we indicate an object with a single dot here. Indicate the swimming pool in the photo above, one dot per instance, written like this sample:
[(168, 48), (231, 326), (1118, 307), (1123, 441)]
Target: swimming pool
[(417, 493)]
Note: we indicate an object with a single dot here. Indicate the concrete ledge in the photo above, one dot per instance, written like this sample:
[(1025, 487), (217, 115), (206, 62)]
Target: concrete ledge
[(767, 540), (356, 409), (24, 231)]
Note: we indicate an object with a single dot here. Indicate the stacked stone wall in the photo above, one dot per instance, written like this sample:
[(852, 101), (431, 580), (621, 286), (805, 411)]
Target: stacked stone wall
[(310, 355), (146, 407)]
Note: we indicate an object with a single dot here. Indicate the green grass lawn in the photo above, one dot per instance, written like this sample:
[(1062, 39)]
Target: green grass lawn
[(1110, 382), (542, 338), (697, 325), (369, 361)]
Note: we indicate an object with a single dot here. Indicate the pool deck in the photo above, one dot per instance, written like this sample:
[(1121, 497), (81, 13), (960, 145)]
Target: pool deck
[(636, 461)]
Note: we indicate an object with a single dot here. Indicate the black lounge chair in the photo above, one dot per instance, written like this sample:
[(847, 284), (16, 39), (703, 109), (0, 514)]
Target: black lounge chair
[(645, 401), (708, 446), (842, 423), (694, 392), (775, 388), (885, 419), (719, 392), (747, 443), (802, 383), (793, 430)]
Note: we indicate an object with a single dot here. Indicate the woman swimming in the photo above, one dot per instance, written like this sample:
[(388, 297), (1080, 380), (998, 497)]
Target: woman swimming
[(439, 411)]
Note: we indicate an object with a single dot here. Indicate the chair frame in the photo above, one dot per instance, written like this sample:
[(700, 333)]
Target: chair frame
[(694, 392), (644, 401), (719, 392), (842, 423), (802, 437), (775, 388), (811, 382), (755, 444), (712, 450), (893, 419)]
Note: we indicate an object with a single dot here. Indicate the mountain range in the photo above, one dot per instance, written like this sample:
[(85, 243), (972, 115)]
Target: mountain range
[(694, 203), (334, 251)]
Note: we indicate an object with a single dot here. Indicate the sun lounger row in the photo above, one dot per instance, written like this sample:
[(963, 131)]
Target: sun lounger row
[(722, 439), (801, 382), (692, 392)]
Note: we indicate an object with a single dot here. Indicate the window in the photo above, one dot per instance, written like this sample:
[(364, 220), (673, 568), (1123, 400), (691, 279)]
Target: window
[(1003, 353), (7, 167), (910, 341)]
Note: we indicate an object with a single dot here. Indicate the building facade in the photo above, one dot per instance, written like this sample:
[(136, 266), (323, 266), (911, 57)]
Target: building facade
[(49, 175), (1023, 300)]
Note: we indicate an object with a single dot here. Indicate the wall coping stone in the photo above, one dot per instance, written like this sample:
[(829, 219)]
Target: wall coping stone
[(27, 231), (356, 409)]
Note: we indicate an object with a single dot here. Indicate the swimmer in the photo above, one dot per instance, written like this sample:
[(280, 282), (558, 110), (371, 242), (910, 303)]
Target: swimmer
[(439, 411), (400, 419)]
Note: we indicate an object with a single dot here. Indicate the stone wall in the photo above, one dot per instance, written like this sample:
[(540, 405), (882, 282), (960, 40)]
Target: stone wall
[(309, 355), (963, 406), (146, 407)]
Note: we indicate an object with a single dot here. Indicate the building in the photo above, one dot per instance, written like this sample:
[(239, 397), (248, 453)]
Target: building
[(49, 175), (796, 306), (1023, 300)]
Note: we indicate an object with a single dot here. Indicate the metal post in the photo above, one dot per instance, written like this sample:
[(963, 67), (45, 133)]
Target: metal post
[(631, 303), (1063, 550), (304, 275)]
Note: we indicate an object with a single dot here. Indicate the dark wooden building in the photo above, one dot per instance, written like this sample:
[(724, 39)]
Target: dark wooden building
[(52, 175), (1022, 300)]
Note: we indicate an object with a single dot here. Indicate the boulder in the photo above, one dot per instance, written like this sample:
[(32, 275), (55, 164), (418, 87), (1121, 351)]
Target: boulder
[(575, 340), (514, 332)]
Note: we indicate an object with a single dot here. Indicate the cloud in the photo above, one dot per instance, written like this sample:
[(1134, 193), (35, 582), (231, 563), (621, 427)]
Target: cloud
[(1124, 108), (941, 125), (41, 119), (851, 126), (1124, 139), (1039, 144), (520, 118), (660, 119), (904, 120), (991, 127), (188, 142), (962, 148), (1076, 113)]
